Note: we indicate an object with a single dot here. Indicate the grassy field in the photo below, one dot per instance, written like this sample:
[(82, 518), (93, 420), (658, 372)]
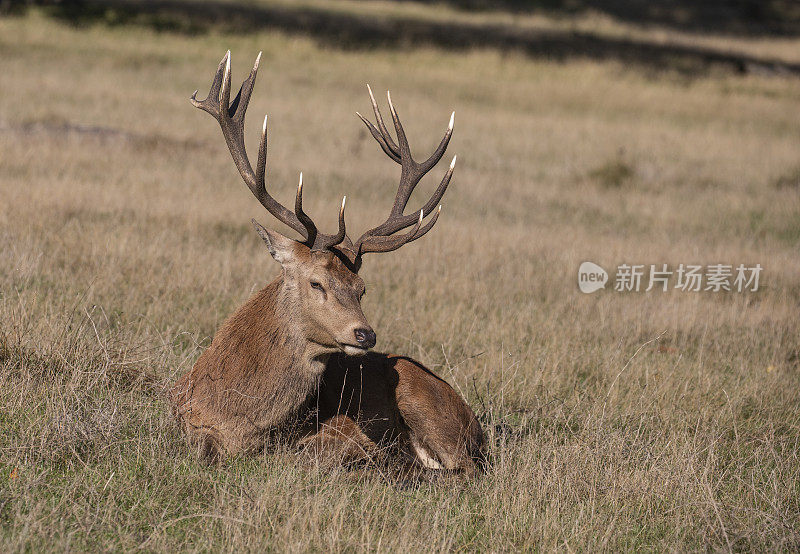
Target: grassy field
[(649, 420)]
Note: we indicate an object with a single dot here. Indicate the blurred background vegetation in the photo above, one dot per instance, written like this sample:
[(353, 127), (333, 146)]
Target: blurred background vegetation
[(654, 32)]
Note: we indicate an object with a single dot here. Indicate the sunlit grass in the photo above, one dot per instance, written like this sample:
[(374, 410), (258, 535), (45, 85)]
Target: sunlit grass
[(124, 243)]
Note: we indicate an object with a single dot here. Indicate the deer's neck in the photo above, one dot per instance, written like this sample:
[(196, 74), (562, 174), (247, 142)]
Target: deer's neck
[(260, 364)]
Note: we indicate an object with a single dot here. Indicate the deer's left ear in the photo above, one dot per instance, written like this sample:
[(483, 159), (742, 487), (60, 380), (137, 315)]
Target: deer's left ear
[(282, 248)]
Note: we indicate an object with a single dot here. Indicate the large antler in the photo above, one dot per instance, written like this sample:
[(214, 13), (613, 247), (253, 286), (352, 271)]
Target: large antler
[(230, 116), (382, 237)]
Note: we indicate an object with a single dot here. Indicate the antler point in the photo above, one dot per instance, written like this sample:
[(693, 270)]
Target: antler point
[(226, 83), (452, 118), (453, 163)]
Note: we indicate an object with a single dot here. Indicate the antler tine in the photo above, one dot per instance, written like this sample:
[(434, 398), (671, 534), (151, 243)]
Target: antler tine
[(428, 226), (209, 104), (339, 237), (405, 149), (411, 174), (428, 164), (311, 229), (261, 162), (387, 244), (225, 94), (230, 117), (242, 100), (259, 189), (380, 139), (398, 223), (381, 124)]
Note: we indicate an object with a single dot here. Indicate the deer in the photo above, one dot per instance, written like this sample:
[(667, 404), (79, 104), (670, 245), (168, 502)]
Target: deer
[(296, 358)]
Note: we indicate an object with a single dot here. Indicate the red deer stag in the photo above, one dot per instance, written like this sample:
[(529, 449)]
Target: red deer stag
[(297, 349)]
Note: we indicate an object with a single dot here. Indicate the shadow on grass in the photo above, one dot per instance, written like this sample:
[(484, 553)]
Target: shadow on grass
[(750, 18), (354, 31)]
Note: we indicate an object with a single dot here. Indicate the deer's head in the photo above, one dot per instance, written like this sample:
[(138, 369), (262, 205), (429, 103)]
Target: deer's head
[(320, 270), (324, 294)]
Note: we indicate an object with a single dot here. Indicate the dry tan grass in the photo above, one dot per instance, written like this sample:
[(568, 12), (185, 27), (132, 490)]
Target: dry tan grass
[(664, 421)]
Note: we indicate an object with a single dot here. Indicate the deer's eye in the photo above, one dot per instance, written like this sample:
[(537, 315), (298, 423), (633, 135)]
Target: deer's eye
[(317, 285), (363, 292)]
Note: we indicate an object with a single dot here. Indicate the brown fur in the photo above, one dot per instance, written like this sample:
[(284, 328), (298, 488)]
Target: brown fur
[(268, 357), (252, 378), (398, 404), (264, 365)]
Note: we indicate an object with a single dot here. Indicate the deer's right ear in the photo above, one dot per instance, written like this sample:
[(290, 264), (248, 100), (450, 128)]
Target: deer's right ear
[(281, 248)]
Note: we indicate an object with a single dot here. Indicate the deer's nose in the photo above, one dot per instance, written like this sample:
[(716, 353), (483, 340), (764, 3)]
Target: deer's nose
[(365, 337)]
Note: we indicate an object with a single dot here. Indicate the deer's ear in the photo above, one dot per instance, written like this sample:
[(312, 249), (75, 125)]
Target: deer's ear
[(281, 248)]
